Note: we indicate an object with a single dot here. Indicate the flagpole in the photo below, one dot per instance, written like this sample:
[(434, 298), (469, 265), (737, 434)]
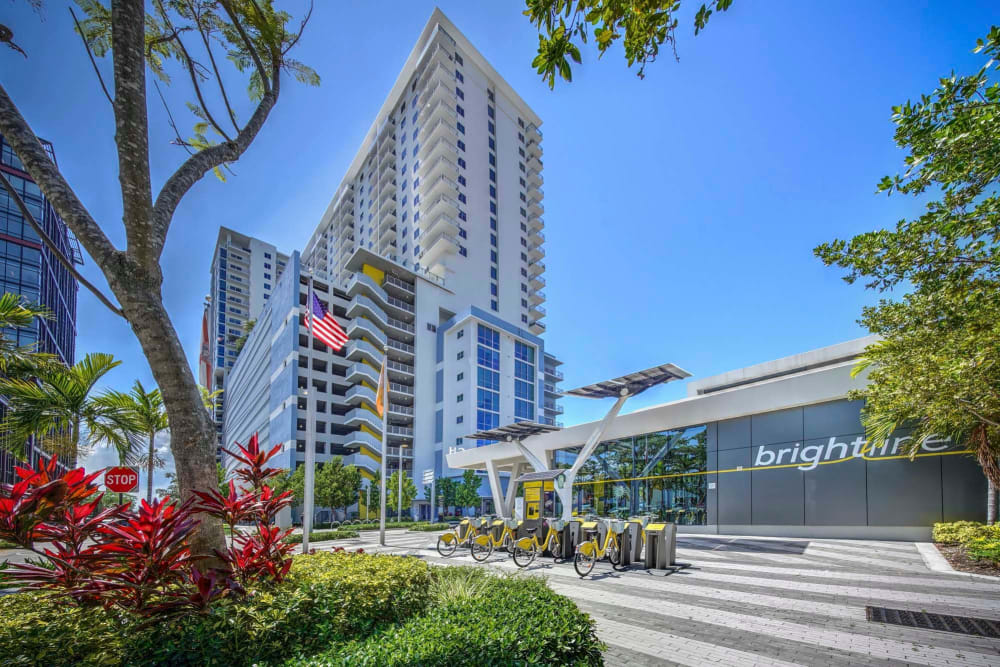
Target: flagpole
[(307, 510), (385, 437)]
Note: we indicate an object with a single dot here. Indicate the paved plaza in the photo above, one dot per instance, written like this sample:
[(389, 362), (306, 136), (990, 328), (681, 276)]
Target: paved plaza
[(760, 601)]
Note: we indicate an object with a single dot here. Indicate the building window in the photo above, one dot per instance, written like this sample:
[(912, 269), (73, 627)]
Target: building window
[(462, 251), (461, 128), (431, 327), (460, 398), (461, 145), (459, 109), (458, 75), (460, 334), (490, 112), (461, 180), (493, 289), (458, 59), (458, 442), (267, 255), (491, 127), (493, 176), (459, 377), (461, 162), (493, 272), (493, 224), (458, 91), (459, 419), (460, 355), (494, 305)]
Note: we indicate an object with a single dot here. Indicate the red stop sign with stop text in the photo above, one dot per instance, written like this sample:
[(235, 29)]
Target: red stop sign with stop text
[(121, 480)]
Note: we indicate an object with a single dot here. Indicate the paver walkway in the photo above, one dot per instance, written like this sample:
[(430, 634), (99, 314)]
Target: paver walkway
[(759, 601)]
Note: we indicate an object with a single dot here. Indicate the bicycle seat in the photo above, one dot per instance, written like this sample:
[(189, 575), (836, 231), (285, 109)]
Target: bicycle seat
[(531, 530)]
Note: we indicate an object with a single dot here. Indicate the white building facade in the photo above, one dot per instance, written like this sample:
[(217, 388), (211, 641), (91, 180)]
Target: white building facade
[(244, 272), (431, 251)]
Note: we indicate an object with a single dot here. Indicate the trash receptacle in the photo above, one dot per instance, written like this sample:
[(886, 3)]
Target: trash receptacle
[(661, 545)]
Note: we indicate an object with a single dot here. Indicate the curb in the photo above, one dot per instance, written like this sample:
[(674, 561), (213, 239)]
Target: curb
[(937, 563)]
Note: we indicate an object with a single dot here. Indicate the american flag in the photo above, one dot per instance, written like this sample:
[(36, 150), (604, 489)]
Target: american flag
[(324, 326)]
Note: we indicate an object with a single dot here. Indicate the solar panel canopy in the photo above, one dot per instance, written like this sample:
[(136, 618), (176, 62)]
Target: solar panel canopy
[(515, 431), (634, 383), (543, 476)]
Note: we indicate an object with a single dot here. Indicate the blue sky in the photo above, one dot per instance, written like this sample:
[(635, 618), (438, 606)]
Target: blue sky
[(681, 210)]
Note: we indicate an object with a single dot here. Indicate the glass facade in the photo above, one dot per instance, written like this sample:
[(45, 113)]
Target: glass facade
[(487, 380), (661, 474), (524, 379)]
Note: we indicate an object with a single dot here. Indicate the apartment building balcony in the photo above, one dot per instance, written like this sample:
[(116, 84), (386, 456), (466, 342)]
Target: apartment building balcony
[(537, 327), (437, 225), (443, 147), (553, 374), (386, 146), (536, 252), (366, 443), (534, 162), (393, 452), (361, 305), (360, 393), (400, 350), (551, 389), (441, 167), (536, 312), (553, 407), (362, 327), (438, 248), (399, 308), (386, 170), (441, 111), (537, 296), (359, 416), (399, 409), (359, 372), (535, 208), (387, 244), (534, 178), (536, 236), (356, 350), (443, 127), (399, 328), (535, 222), (440, 185), (551, 360), (439, 54), (443, 205), (438, 72), (399, 285), (399, 431), (398, 369), (536, 281), (401, 392), (534, 133), (362, 462), (439, 92), (387, 219)]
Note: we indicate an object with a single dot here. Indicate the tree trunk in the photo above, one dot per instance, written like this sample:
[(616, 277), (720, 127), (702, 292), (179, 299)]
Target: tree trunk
[(192, 433), (991, 503), (149, 467), (987, 456)]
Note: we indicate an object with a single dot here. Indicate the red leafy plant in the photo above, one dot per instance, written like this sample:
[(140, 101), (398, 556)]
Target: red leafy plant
[(139, 560)]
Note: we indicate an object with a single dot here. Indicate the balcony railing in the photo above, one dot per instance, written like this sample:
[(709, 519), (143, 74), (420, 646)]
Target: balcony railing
[(401, 388), (398, 282), (402, 347), (399, 366), (400, 324)]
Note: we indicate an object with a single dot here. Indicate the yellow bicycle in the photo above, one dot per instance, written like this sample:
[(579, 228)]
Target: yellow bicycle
[(589, 552), (483, 545), (527, 549), (460, 536)]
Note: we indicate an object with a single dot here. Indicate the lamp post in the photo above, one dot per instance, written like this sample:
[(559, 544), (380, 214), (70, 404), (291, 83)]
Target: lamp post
[(399, 492)]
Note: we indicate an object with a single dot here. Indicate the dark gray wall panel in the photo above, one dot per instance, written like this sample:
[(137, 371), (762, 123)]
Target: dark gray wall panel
[(903, 492), (712, 438), (780, 426), (776, 495), (734, 433), (734, 487), (825, 419), (964, 489), (835, 494), (712, 495)]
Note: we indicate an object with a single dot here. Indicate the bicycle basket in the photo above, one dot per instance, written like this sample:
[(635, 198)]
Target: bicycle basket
[(511, 523), (617, 527), (557, 524)]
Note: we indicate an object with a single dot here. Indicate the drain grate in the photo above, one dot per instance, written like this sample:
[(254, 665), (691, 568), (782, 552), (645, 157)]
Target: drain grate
[(981, 627)]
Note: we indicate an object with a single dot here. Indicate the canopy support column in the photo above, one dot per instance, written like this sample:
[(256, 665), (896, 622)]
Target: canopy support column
[(495, 487), (512, 488)]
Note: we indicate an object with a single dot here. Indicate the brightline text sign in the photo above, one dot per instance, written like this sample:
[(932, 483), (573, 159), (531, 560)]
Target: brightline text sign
[(811, 456)]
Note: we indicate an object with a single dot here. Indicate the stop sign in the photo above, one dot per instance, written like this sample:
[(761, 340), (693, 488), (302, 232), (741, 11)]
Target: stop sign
[(121, 480)]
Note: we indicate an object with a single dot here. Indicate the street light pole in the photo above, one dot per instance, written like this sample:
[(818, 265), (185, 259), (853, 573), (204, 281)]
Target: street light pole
[(399, 492), (383, 387)]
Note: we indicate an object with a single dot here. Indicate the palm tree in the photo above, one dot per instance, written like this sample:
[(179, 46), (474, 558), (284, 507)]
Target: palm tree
[(146, 413), (57, 406), (23, 360)]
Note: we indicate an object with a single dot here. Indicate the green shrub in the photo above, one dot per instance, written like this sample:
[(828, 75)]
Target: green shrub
[(34, 630), (984, 548), (963, 532), (7, 545), (428, 527), (510, 621), (327, 599), (322, 535)]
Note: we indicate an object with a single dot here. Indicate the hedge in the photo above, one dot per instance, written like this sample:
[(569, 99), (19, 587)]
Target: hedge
[(507, 621), (326, 600), (979, 541), (7, 545), (428, 527), (322, 535)]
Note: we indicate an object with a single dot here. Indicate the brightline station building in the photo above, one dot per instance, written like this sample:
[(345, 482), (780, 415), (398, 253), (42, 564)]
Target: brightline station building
[(772, 449)]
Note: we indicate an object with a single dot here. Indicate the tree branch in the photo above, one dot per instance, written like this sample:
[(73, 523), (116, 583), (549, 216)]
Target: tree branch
[(128, 38), (215, 68), (90, 54), (251, 49), (968, 406), (18, 134), (50, 244)]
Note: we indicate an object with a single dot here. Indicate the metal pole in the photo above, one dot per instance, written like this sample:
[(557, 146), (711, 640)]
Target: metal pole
[(385, 460), (368, 501), (433, 501), (399, 492), (307, 510)]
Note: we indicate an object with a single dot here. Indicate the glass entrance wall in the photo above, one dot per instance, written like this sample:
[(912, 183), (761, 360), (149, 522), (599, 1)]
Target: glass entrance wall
[(662, 474)]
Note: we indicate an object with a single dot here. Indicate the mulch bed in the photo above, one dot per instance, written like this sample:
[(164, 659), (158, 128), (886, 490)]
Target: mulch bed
[(958, 560)]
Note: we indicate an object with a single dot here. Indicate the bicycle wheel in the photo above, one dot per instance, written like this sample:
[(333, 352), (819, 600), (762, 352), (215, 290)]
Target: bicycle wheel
[(614, 556), (524, 557), (447, 544), (583, 563), (555, 548), (481, 552)]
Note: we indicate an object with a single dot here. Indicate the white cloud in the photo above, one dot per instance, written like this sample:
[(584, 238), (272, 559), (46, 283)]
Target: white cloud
[(104, 457)]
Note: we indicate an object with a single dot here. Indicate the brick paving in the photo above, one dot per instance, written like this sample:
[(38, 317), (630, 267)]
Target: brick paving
[(758, 601)]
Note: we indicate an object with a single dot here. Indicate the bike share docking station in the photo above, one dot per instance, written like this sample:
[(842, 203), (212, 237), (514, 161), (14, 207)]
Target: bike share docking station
[(635, 541)]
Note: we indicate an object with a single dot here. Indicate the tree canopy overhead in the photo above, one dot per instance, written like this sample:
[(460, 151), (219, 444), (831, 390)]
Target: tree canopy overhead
[(937, 366), (642, 27)]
